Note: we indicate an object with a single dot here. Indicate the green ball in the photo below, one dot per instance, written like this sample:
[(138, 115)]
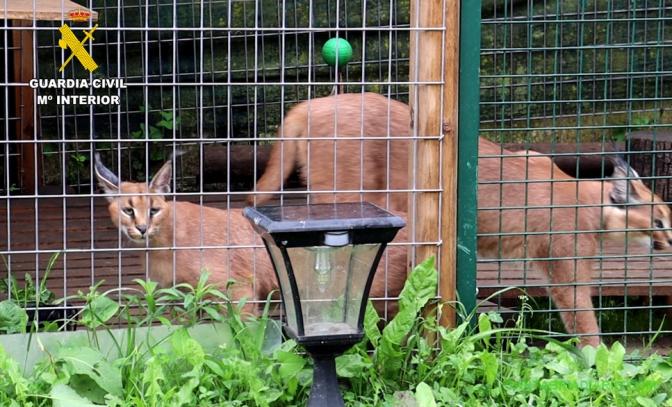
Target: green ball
[(335, 46)]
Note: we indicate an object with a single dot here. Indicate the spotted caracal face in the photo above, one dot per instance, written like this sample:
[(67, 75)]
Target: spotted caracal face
[(189, 239)]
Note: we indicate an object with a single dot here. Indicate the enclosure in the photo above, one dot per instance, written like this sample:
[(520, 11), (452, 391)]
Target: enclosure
[(214, 80)]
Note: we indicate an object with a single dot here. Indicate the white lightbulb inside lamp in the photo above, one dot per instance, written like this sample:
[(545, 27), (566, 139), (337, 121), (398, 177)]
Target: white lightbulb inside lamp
[(323, 264)]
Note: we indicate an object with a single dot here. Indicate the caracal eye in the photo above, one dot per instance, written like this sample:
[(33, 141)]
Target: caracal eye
[(154, 211), (659, 224), (129, 211)]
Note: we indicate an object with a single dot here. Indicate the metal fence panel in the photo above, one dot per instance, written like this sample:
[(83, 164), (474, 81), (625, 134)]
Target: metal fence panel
[(211, 80), (568, 79)]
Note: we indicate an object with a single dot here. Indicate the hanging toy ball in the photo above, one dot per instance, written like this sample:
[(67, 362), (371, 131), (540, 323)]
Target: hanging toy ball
[(337, 47)]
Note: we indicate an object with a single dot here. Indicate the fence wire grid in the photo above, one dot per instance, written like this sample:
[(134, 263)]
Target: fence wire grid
[(215, 79), (208, 82), (579, 82)]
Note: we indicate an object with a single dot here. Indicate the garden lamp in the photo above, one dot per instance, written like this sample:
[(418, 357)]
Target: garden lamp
[(325, 257)]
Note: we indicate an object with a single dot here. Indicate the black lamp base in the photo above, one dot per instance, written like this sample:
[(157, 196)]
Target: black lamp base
[(325, 392)]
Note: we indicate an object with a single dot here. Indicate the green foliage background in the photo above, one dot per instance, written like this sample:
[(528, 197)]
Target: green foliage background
[(576, 70)]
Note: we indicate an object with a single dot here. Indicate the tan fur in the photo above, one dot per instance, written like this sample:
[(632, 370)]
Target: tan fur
[(507, 211), (572, 229), (191, 226), (359, 164)]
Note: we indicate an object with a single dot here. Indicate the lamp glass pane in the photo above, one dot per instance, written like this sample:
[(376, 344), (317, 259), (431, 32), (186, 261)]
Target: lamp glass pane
[(331, 283), (285, 287)]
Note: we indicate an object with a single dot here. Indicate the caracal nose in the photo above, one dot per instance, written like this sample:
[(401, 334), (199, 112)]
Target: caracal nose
[(141, 228)]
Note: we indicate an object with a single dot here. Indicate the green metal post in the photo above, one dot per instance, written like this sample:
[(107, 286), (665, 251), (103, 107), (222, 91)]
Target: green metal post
[(469, 119)]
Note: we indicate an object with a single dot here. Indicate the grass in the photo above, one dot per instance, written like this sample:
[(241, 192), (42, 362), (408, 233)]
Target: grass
[(631, 320), (412, 361)]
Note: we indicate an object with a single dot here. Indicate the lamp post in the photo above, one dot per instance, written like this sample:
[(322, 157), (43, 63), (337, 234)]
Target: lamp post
[(325, 257)]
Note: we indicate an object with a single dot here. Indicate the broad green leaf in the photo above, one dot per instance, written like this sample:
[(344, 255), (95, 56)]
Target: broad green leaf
[(589, 354), (352, 365), (484, 326), (451, 337), (99, 311), (187, 348), (290, 364), (560, 366), (420, 287), (495, 317), (215, 367), (616, 356), (86, 387), (609, 362), (371, 320), (424, 395), (91, 363), (13, 318), (64, 396), (489, 361), (646, 402), (155, 133), (165, 124)]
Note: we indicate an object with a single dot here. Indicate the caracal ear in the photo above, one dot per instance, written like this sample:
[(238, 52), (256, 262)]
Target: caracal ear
[(161, 181), (623, 191), (106, 178)]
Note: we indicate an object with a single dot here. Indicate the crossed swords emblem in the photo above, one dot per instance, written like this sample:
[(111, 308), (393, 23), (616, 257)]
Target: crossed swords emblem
[(69, 40)]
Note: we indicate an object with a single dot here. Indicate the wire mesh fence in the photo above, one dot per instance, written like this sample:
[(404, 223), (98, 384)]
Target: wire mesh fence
[(217, 70), (208, 83), (578, 81), (213, 84)]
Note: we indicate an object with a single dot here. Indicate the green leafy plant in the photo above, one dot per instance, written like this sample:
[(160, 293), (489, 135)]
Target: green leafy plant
[(483, 363), (638, 122), (29, 292), (162, 124), (412, 361), (13, 316)]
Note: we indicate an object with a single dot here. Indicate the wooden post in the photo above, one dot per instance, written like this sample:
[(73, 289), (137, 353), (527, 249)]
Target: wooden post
[(26, 14), (433, 60), (22, 41), (451, 72)]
